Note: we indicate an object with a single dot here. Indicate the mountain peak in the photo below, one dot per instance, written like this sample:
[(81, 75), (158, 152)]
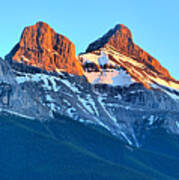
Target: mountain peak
[(41, 23), (42, 47), (37, 36), (120, 31), (120, 39)]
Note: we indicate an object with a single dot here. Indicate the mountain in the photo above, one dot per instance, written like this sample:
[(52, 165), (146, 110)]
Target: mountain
[(120, 38), (118, 47), (42, 47), (109, 113), (115, 84)]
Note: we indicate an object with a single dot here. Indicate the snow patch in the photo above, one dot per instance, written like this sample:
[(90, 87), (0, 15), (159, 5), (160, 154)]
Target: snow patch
[(49, 98), (108, 114), (39, 77), (177, 124), (151, 119), (126, 138), (122, 79), (103, 59), (18, 114)]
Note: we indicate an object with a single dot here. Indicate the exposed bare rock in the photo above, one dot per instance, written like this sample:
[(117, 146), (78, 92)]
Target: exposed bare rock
[(121, 39), (123, 62), (42, 47)]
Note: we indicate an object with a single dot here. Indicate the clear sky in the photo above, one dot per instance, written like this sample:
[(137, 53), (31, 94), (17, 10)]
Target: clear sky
[(154, 23)]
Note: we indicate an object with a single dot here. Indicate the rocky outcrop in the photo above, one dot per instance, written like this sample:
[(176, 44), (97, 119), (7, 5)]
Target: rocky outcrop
[(17, 99), (42, 47), (120, 38)]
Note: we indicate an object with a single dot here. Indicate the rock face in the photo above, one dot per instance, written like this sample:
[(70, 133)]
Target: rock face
[(116, 97), (16, 99), (120, 37), (127, 112), (42, 47), (122, 62)]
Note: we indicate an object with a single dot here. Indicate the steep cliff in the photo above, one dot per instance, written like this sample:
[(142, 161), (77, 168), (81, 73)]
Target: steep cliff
[(40, 46)]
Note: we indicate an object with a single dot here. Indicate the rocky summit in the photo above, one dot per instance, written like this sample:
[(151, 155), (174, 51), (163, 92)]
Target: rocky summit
[(42, 47), (114, 85), (120, 52), (120, 38)]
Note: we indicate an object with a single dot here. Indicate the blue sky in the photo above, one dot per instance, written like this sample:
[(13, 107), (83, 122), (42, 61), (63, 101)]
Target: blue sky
[(154, 23)]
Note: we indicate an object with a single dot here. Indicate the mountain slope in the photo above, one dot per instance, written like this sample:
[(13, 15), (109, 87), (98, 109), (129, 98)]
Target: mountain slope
[(66, 149), (116, 91), (123, 55), (120, 38), (110, 113)]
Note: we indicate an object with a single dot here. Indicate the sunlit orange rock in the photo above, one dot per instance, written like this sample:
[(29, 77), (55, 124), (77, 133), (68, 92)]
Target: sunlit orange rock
[(42, 47), (121, 39)]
